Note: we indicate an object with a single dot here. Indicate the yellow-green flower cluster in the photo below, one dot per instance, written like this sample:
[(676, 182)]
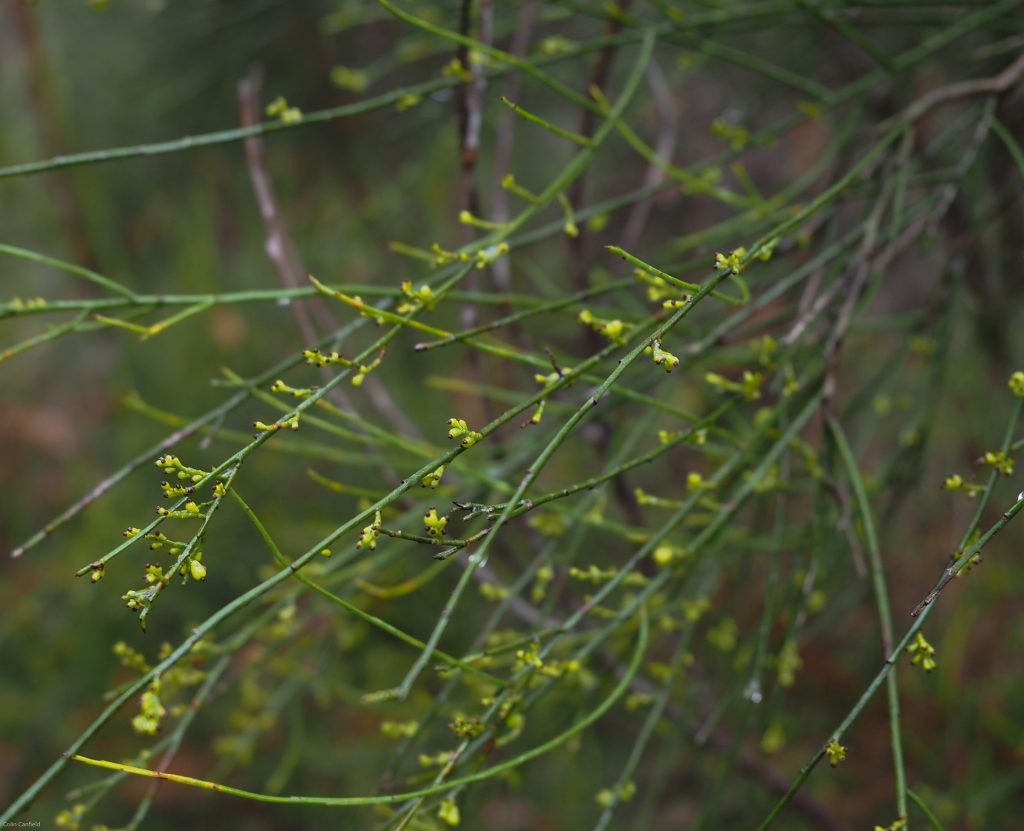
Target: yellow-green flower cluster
[(448, 812), (170, 464), (195, 567), (956, 483), (732, 262), (292, 422), (615, 330), (607, 797), (366, 369), (923, 652), (529, 657), (191, 511), (433, 479), (151, 711), (666, 360), (347, 78), (593, 574), (423, 297), (458, 428), (788, 663), (16, 304), (466, 728), (766, 350), (314, 357), (1000, 461), (666, 554), (294, 392), (836, 752), (724, 635), (749, 387), (659, 289), (278, 108), (399, 729), (455, 69), (737, 136), (436, 525), (371, 533), (644, 498), (493, 252), (71, 818)]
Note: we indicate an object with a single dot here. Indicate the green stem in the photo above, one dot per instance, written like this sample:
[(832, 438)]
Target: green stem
[(881, 592), (373, 620), (932, 819), (345, 801), (71, 268), (883, 673), (525, 114)]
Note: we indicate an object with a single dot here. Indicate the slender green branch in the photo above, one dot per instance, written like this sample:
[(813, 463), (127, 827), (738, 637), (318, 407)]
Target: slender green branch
[(489, 773), (883, 673), (881, 592), (575, 138), (1006, 137), (924, 809), (71, 268), (373, 620)]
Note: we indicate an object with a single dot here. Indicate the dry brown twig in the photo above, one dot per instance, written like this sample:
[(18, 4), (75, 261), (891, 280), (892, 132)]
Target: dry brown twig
[(285, 257), (996, 85), (278, 245)]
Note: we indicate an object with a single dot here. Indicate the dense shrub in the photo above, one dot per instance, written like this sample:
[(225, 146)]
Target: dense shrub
[(555, 412)]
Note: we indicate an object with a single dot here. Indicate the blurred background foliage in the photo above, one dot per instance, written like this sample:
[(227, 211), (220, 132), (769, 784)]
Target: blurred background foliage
[(926, 364)]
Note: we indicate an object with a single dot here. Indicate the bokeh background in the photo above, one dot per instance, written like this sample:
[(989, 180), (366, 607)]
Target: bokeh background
[(77, 76)]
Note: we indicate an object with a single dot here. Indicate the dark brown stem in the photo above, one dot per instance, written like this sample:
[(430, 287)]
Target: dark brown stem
[(995, 85), (577, 245), (469, 116)]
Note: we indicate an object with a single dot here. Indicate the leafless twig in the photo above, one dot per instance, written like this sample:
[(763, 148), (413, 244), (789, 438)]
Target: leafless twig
[(278, 245), (995, 85)]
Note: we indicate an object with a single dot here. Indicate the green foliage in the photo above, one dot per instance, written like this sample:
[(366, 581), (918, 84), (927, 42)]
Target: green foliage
[(601, 593)]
